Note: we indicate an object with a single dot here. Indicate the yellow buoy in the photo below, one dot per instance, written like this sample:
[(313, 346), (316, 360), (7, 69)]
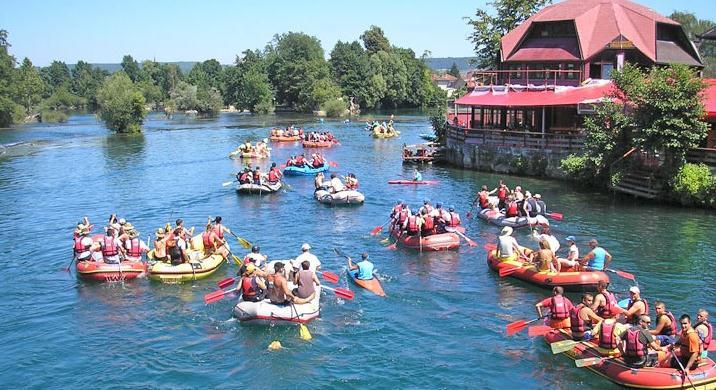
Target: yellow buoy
[(274, 346)]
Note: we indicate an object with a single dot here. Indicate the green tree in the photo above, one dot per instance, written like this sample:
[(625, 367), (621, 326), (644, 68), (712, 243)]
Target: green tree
[(121, 104), (209, 101), (29, 86), (247, 86), (350, 67), (152, 93), (130, 68), (395, 74), (86, 80), (319, 93), (374, 40), (206, 74), (488, 27), (9, 110), (184, 96), (454, 70), (57, 75)]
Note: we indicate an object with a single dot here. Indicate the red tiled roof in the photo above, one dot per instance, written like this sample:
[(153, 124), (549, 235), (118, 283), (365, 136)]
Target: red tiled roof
[(547, 49), (566, 96), (446, 77), (598, 22)]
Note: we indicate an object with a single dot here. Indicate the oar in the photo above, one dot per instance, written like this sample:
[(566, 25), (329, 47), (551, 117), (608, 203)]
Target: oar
[(333, 164), (623, 274), (683, 370), (517, 326), (217, 295), (394, 245), (378, 229), (555, 216), (226, 282), (591, 361), (228, 183), (538, 330), (246, 244), (341, 292), (469, 241), (329, 276), (73, 260), (563, 346), (489, 247)]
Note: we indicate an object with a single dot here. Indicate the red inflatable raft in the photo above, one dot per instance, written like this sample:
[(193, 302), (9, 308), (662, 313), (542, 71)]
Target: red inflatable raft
[(434, 242), (319, 144), (569, 280), (617, 371), (102, 272), (412, 182)]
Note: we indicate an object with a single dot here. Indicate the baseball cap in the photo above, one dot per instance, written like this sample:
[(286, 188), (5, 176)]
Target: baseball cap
[(634, 289), (571, 238), (305, 247)]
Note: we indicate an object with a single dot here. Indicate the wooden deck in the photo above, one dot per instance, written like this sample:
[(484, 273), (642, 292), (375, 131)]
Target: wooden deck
[(562, 140)]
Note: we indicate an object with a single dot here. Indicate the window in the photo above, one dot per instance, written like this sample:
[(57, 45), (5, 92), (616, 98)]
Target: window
[(535, 74), (570, 75)]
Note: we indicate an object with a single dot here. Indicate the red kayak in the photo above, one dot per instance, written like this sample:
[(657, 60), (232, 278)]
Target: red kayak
[(569, 280), (372, 285), (433, 242), (412, 182), (617, 371)]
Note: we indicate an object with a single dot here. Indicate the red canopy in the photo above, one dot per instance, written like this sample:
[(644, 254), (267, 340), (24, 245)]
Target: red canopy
[(562, 96), (710, 99)]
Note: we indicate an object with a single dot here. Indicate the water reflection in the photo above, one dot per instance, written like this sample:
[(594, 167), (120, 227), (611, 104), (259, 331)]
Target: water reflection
[(122, 151)]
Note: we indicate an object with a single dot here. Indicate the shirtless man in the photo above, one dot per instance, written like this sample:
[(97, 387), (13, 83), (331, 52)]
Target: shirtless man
[(278, 291)]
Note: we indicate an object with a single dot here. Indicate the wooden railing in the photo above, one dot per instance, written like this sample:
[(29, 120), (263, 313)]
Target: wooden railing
[(518, 139), (702, 155)]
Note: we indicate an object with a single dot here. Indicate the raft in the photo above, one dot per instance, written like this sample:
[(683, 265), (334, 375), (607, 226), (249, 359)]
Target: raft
[(266, 188), (497, 218), (254, 155), (569, 280), (347, 197), (100, 271), (417, 182), (386, 135), (319, 144), (434, 242), (617, 371), (198, 267), (305, 170), (372, 285), (283, 138), (267, 312)]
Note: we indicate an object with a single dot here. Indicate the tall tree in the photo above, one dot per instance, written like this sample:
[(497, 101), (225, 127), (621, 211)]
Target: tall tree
[(56, 76), (86, 79), (374, 40), (206, 74), (454, 70), (28, 86), (350, 67), (130, 68), (9, 110), (247, 85), (121, 104), (488, 28)]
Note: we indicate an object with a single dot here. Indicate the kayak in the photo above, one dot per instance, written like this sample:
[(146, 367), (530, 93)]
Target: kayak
[(283, 138), (104, 272), (372, 285), (429, 137), (617, 371), (433, 242), (570, 280), (497, 218), (412, 182), (266, 188), (348, 197), (304, 170), (319, 144), (198, 267), (267, 312), (239, 154)]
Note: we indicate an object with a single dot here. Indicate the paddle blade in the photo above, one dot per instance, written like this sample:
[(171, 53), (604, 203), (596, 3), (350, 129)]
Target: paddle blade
[(333, 164), (538, 330), (214, 296), (588, 361), (563, 346), (303, 332), (470, 242), (712, 347), (226, 183), (626, 275), (237, 261), (344, 293), (226, 282), (511, 331), (244, 242), (376, 230), (507, 271), (385, 240), (555, 216), (330, 276), (490, 247)]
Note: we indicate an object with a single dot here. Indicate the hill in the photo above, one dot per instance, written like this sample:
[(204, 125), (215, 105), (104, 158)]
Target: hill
[(445, 63)]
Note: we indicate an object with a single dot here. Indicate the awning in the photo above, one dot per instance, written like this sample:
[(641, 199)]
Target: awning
[(710, 99), (561, 96)]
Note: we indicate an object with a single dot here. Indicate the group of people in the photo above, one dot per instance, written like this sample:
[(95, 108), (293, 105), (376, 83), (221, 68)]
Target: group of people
[(260, 149), (513, 203), (317, 161), (255, 176), (289, 131), (293, 281), (546, 259), (426, 221), (315, 136), (627, 332), (120, 242), (335, 184), (419, 151), (381, 128), (173, 244)]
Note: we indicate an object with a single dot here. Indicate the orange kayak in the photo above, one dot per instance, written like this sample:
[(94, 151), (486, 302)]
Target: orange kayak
[(372, 285)]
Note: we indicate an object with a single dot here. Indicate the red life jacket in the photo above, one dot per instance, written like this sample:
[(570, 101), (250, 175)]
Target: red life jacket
[(78, 247), (705, 342), (512, 209), (273, 176), (502, 193), (671, 329), (299, 160), (634, 347), (135, 247), (396, 209), (559, 308), (634, 319), (247, 288), (257, 177), (483, 200), (219, 231), (108, 247), (429, 224), (454, 220), (206, 240), (244, 177), (606, 336), (402, 216), (578, 325), (608, 311), (412, 224)]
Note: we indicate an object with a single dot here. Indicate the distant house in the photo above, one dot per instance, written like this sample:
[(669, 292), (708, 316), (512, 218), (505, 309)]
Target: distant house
[(448, 83)]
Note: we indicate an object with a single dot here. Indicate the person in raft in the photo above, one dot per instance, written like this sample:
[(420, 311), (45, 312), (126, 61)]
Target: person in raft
[(605, 303), (362, 270), (306, 255), (274, 174), (507, 247), (255, 257), (597, 259), (209, 240), (608, 332), (351, 182), (637, 306), (705, 331), (82, 244), (483, 198), (111, 249), (639, 348), (689, 346), (253, 289), (336, 184), (665, 330), (544, 258), (277, 286), (134, 245), (502, 192), (582, 318), (417, 176), (559, 307), (452, 220), (572, 255), (413, 225), (428, 226), (245, 176), (306, 280)]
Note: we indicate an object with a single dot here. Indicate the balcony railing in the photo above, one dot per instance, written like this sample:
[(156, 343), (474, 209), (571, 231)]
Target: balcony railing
[(559, 140)]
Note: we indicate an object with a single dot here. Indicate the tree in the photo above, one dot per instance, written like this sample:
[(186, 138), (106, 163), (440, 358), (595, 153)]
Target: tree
[(86, 79), (489, 28), (206, 74), (184, 96), (350, 67), (374, 40), (454, 70), (130, 68), (208, 101), (247, 85), (121, 105), (9, 110), (57, 75), (29, 86)]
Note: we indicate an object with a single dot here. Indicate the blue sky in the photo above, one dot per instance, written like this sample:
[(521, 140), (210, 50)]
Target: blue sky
[(103, 31)]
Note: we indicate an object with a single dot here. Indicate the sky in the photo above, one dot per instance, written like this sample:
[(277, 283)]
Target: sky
[(102, 31)]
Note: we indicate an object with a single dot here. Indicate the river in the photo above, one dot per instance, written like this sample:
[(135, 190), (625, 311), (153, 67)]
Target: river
[(442, 324)]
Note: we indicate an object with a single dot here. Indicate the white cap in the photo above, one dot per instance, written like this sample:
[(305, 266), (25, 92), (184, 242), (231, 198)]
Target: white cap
[(305, 247), (122, 221), (634, 289), (506, 231)]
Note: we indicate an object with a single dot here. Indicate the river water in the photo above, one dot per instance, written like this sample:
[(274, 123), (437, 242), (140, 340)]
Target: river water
[(442, 324)]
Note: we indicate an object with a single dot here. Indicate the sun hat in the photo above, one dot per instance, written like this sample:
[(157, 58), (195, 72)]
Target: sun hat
[(305, 247), (634, 289), (570, 238), (506, 231)]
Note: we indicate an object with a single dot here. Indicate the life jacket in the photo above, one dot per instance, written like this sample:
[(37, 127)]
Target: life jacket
[(412, 224), (206, 240), (532, 207), (606, 336), (299, 160), (397, 209), (512, 209), (634, 319), (429, 224), (135, 247), (705, 342), (559, 308), (108, 247), (402, 216), (483, 200), (257, 177), (454, 220), (248, 288), (171, 241), (273, 176), (671, 329), (244, 177), (502, 193), (578, 325), (219, 231), (78, 247), (608, 311), (634, 347)]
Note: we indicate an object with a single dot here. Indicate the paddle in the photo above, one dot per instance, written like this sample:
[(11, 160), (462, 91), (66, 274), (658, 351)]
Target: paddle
[(243, 242), (333, 164), (73, 260), (517, 326), (378, 229), (394, 245), (563, 346), (469, 241), (591, 361), (623, 274), (228, 183), (217, 295), (341, 292), (329, 276), (538, 330), (303, 332), (683, 370), (226, 282), (489, 247), (555, 216)]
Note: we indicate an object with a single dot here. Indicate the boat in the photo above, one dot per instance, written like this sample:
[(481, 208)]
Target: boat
[(385, 135), (254, 155), (347, 197), (570, 280), (429, 137), (616, 370), (265, 188), (421, 153), (100, 271), (414, 182), (304, 170), (198, 267), (319, 144), (372, 285), (267, 312), (433, 242), (285, 138), (498, 218)]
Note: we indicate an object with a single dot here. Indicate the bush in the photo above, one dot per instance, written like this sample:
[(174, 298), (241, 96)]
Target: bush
[(695, 184), (334, 108), (573, 165), (121, 105), (265, 106), (52, 116)]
